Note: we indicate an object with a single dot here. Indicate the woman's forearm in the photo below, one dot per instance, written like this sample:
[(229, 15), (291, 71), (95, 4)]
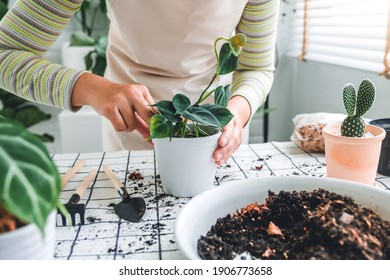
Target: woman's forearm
[(27, 31)]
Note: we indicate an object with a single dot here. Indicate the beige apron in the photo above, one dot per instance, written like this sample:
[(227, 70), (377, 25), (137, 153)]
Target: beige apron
[(167, 45)]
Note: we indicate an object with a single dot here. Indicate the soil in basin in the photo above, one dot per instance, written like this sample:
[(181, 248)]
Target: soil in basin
[(299, 225)]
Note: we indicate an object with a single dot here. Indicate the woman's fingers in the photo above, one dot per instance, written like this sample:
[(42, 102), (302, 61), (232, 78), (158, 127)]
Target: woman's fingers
[(126, 106), (143, 129), (141, 100), (229, 141)]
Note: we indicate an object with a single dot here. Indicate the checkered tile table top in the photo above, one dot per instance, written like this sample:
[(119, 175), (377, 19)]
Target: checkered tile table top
[(105, 236)]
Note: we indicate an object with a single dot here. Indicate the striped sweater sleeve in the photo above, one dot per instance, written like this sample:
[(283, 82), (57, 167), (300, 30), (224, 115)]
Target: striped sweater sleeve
[(26, 32), (254, 76)]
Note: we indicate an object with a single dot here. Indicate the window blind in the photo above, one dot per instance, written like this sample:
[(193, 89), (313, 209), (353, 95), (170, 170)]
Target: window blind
[(350, 33)]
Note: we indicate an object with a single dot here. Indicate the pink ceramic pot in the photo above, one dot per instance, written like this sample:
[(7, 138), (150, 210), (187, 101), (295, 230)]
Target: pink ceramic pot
[(350, 158)]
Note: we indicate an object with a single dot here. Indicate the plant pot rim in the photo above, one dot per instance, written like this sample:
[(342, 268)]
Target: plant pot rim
[(25, 228), (179, 140), (330, 130)]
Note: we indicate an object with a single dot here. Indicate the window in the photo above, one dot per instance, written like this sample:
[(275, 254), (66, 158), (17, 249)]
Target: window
[(350, 33)]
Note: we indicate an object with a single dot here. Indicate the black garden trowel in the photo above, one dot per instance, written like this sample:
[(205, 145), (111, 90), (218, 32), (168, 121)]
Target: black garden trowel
[(131, 209)]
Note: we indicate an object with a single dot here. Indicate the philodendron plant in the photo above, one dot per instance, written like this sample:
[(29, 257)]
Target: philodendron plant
[(30, 184), (175, 116), (356, 105)]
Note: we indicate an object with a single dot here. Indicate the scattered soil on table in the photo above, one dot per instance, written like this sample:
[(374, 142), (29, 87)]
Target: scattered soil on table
[(92, 219), (135, 175), (299, 225)]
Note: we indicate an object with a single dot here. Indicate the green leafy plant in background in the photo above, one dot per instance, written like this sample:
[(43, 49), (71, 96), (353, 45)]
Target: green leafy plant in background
[(356, 105), (174, 116), (95, 60), (18, 109), (30, 184)]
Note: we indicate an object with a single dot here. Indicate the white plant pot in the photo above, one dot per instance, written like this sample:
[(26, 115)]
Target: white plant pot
[(73, 57), (27, 242), (186, 165)]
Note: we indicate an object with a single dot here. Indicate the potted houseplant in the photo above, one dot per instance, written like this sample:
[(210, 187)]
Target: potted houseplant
[(29, 195), (185, 135), (352, 148), (85, 50)]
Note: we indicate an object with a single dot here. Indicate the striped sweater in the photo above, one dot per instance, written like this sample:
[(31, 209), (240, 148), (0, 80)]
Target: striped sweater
[(31, 26)]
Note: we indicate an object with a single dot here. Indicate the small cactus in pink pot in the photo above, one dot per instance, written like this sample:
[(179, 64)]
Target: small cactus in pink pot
[(356, 105)]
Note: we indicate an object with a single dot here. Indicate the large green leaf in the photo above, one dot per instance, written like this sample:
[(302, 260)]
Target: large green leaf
[(221, 95), (202, 116), (29, 180), (167, 109), (181, 103), (222, 114), (160, 127), (227, 61)]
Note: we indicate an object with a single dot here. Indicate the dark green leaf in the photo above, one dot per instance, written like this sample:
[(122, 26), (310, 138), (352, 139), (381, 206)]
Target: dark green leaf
[(166, 109), (100, 66), (202, 116), (10, 100), (30, 115), (85, 6), (181, 103), (222, 114), (7, 113), (160, 127), (3, 9), (88, 59), (45, 137), (79, 38), (227, 61), (221, 95), (29, 181)]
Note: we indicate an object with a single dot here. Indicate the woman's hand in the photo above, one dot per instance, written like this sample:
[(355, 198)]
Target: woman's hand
[(126, 106), (231, 137)]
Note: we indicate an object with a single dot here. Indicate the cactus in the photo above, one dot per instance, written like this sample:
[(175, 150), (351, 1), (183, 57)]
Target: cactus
[(356, 106)]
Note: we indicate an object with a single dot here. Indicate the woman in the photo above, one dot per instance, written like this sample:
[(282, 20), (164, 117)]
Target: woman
[(156, 49)]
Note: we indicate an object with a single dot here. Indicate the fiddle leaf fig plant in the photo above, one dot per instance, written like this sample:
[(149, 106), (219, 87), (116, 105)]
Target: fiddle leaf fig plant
[(174, 116), (356, 105), (30, 184)]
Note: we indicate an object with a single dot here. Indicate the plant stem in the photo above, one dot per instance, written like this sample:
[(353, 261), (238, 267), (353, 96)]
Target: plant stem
[(215, 47), (203, 132), (183, 129), (201, 98), (196, 130), (205, 96)]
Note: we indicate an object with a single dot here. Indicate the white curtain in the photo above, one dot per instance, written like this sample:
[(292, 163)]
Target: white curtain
[(350, 33)]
